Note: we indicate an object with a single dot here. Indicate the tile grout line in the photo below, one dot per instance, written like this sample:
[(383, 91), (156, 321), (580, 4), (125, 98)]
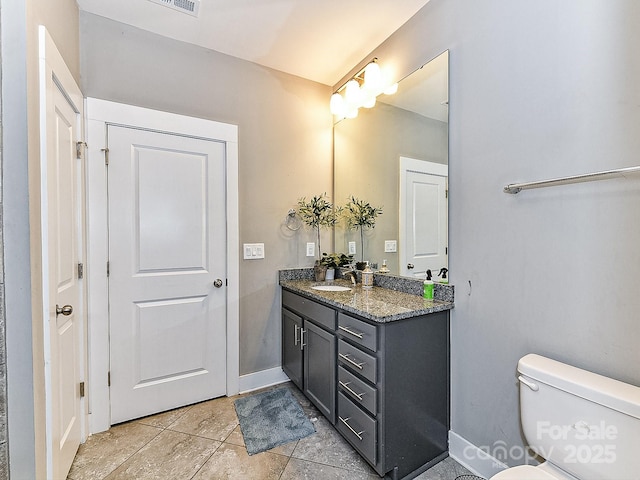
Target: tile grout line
[(161, 429), (134, 453)]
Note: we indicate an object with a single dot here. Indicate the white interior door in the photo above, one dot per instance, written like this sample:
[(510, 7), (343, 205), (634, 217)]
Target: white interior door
[(62, 214), (167, 271), (423, 217)]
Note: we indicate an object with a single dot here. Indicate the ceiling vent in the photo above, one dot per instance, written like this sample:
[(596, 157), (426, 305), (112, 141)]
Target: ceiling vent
[(191, 7)]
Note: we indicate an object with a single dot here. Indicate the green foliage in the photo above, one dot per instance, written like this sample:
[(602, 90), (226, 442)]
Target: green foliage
[(317, 213), (335, 260), (360, 214)]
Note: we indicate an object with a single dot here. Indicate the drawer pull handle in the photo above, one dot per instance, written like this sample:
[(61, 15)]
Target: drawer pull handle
[(345, 421), (346, 358), (348, 389), (296, 329), (351, 332)]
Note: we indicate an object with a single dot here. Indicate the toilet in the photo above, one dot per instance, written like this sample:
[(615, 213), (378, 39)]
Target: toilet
[(585, 426)]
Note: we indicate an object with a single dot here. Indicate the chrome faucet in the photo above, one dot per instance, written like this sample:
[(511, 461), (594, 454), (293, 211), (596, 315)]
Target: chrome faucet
[(353, 275)]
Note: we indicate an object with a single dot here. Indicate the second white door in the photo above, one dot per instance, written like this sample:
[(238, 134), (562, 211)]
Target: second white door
[(423, 217), (167, 271)]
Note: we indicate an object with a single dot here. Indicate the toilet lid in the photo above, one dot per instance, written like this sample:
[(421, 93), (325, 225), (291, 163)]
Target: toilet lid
[(523, 472)]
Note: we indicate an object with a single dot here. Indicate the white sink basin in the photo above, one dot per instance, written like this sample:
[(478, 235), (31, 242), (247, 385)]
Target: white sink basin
[(331, 288)]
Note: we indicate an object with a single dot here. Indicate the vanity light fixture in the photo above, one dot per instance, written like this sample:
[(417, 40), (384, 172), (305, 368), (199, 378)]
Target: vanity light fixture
[(361, 91)]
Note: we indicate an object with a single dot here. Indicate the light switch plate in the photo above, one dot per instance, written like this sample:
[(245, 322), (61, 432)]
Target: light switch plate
[(311, 249), (352, 248), (391, 246), (253, 251)]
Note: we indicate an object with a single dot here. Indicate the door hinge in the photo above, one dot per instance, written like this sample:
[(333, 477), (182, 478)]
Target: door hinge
[(81, 389), (80, 271), (108, 268), (80, 149), (108, 379), (106, 155), (446, 193)]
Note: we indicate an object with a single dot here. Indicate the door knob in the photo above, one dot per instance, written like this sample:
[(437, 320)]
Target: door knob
[(66, 310), (410, 266), (217, 283)]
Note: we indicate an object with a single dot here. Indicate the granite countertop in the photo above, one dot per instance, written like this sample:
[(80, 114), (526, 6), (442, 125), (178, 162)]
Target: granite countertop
[(377, 304)]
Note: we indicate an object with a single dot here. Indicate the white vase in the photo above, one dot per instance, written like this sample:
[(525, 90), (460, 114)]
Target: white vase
[(331, 272)]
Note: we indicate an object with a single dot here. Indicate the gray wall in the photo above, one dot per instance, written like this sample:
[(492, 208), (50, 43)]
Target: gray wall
[(284, 147), (537, 90), (4, 449)]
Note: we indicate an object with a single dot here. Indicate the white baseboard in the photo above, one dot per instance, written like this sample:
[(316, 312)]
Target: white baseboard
[(473, 458), (262, 379)]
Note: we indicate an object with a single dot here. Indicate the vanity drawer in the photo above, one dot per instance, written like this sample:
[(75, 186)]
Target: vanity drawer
[(320, 314), (358, 361), (358, 331), (357, 427), (357, 390)]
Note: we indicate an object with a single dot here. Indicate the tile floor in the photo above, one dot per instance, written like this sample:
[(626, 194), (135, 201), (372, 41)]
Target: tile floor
[(204, 442)]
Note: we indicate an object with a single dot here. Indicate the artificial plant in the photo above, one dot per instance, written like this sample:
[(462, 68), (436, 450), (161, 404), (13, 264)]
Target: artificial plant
[(335, 260), (318, 212), (359, 215)]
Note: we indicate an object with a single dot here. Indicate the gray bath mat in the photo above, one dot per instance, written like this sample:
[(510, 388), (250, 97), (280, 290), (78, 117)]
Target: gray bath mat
[(270, 419)]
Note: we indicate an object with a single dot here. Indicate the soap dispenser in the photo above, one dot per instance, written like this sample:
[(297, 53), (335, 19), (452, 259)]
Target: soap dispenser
[(384, 268), (367, 277), (428, 287), (443, 275)]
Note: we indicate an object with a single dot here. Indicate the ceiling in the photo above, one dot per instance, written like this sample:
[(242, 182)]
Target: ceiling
[(320, 40)]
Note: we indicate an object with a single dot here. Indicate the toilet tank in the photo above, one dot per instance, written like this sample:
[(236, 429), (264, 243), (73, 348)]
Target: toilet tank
[(585, 424)]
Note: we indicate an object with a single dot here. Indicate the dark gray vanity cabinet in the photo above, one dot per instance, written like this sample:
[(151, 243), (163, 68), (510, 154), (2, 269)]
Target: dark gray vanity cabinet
[(384, 385), (309, 350), (393, 391), (292, 347)]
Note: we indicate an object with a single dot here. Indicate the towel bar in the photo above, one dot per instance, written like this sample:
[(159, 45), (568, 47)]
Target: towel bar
[(514, 188)]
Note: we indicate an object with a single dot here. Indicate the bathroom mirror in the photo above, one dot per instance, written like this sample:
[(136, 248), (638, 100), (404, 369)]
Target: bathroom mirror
[(395, 156)]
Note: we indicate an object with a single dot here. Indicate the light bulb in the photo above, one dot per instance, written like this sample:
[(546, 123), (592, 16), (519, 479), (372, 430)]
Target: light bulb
[(372, 77), (352, 93), (391, 89), (351, 113), (337, 104), (369, 102)]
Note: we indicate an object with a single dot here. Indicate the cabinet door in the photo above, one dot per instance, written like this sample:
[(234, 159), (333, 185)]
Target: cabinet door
[(292, 346), (320, 369)]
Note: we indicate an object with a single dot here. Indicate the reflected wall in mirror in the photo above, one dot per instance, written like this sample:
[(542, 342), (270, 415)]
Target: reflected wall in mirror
[(406, 132)]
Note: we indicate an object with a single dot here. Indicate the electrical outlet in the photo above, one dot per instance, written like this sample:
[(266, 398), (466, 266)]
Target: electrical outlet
[(311, 249), (352, 248), (390, 246)]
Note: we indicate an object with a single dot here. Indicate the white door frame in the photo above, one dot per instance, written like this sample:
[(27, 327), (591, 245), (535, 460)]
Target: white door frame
[(421, 166), (100, 113), (54, 74)]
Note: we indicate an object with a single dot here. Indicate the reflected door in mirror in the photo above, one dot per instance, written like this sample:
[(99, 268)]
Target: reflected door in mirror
[(423, 217)]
